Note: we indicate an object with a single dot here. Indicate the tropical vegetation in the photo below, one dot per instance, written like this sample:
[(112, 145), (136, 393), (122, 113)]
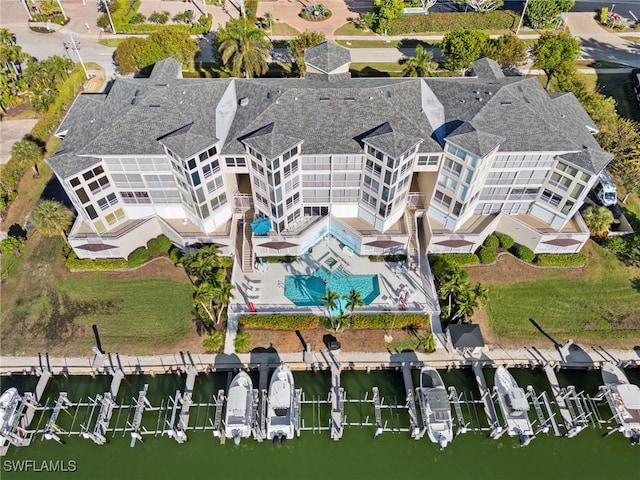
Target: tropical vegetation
[(299, 45), (243, 48), (420, 65), (598, 219), (52, 218)]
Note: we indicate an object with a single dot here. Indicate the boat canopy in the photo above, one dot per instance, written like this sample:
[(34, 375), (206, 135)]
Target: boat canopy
[(438, 399), (630, 395), (517, 399)]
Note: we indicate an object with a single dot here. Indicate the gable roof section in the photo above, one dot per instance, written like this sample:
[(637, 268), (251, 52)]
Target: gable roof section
[(187, 141), (390, 141), (589, 159), (166, 70), (474, 140), (487, 68), (270, 143), (327, 56)]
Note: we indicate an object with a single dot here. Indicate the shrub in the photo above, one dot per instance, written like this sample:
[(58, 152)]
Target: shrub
[(159, 17), (428, 343), (455, 258), (388, 258), (137, 18), (386, 320), (491, 242), (243, 341), (277, 259), (214, 342), (159, 245), (276, 321), (604, 15), (525, 253), (561, 259), (138, 257), (175, 254), (444, 22), (75, 263), (506, 241), (487, 255), (12, 246)]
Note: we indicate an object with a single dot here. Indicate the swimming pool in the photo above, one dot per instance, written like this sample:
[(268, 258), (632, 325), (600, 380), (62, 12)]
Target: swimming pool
[(304, 290)]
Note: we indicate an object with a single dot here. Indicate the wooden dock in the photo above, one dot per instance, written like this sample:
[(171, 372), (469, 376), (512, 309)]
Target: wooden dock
[(416, 431), (485, 395), (565, 413), (187, 401), (337, 402)]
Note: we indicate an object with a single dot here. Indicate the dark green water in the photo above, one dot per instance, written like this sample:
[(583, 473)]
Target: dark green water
[(314, 455)]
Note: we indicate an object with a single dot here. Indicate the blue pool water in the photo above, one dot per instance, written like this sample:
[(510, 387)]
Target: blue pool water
[(304, 290)]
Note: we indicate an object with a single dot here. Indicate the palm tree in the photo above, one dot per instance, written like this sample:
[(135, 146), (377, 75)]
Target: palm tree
[(453, 282), (27, 153), (221, 297), (481, 293), (203, 296), (420, 65), (466, 304), (598, 219), (354, 300), (245, 48), (51, 218), (330, 302)]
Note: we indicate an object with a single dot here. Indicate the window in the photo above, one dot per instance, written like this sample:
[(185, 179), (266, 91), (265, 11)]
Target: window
[(135, 197), (560, 181), (448, 183), (74, 182), (291, 201), (457, 208), (92, 173), (91, 212), (371, 183), (568, 205), (375, 153), (428, 160), (204, 211), (107, 201), (373, 167), (99, 184), (385, 209), (563, 167), (458, 152), (195, 179), (452, 167), (291, 184), (551, 198), (214, 184), (235, 162), (191, 163), (82, 195), (577, 191), (442, 199), (219, 201), (290, 169), (165, 196), (369, 199)]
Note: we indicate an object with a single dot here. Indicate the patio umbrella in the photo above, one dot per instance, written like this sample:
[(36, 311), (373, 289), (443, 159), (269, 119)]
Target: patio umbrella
[(261, 225), (277, 245), (384, 243)]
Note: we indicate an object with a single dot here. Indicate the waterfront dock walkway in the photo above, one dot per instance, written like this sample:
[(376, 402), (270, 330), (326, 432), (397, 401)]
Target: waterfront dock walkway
[(442, 358), (485, 394), (337, 402), (567, 418)]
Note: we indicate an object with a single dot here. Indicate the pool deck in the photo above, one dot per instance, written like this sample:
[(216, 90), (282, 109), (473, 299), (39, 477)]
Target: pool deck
[(264, 287)]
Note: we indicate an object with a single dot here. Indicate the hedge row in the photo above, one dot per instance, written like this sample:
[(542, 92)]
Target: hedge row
[(487, 255), (395, 258), (387, 320), (73, 263), (444, 22), (560, 259), (456, 258), (122, 12), (277, 321)]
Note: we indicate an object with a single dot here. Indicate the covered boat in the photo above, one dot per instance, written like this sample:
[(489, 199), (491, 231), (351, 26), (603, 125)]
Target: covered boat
[(8, 409), (624, 400), (514, 406), (239, 413), (280, 418), (435, 406)]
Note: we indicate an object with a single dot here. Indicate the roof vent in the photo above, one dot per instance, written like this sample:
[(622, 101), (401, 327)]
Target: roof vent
[(388, 93), (324, 99), (370, 97), (162, 84), (154, 105), (505, 104), (295, 98), (562, 115), (244, 101), (350, 99), (477, 92), (489, 93), (479, 99), (268, 94)]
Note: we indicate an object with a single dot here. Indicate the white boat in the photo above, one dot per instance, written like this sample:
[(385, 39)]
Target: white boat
[(280, 418), (239, 413), (514, 405), (624, 400), (436, 408), (8, 409)]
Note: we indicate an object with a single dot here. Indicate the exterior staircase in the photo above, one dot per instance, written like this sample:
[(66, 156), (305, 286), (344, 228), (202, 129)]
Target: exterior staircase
[(247, 249), (413, 253)]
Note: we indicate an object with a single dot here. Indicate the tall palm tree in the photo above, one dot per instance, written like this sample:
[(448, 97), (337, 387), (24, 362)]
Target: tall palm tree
[(420, 65), (221, 297), (354, 300), (466, 304), (598, 219), (453, 282), (245, 48), (330, 300), (51, 218), (203, 296)]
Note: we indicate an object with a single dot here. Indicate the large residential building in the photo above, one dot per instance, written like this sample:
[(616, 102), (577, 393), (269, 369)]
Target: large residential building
[(382, 164)]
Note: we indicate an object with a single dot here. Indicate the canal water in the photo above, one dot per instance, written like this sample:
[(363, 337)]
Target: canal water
[(358, 455)]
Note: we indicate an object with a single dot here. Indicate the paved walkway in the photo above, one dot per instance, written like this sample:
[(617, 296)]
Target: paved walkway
[(568, 355), (12, 131)]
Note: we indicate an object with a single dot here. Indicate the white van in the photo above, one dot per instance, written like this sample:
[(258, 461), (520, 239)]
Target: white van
[(605, 190)]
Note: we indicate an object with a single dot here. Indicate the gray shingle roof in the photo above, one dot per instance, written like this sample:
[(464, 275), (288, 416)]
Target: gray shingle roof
[(166, 70), (330, 117), (485, 68), (465, 335), (589, 159), (390, 141), (187, 141), (474, 140), (270, 143), (327, 56)]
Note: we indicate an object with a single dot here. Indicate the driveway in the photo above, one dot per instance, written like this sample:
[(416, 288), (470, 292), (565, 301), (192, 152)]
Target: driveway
[(12, 131), (599, 44)]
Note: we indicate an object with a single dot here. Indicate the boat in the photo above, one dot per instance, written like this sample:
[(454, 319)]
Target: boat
[(624, 400), (436, 408), (280, 403), (239, 413), (8, 408), (514, 406)]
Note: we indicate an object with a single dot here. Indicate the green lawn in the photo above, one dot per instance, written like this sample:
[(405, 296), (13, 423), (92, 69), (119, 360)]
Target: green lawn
[(598, 304), (375, 69), (112, 42), (46, 309), (620, 87)]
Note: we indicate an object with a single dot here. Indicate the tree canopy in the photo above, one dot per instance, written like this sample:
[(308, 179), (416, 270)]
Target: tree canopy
[(389, 9), (481, 5), (420, 65), (243, 48), (299, 45), (556, 53), (51, 218), (463, 46), (542, 13), (508, 50)]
